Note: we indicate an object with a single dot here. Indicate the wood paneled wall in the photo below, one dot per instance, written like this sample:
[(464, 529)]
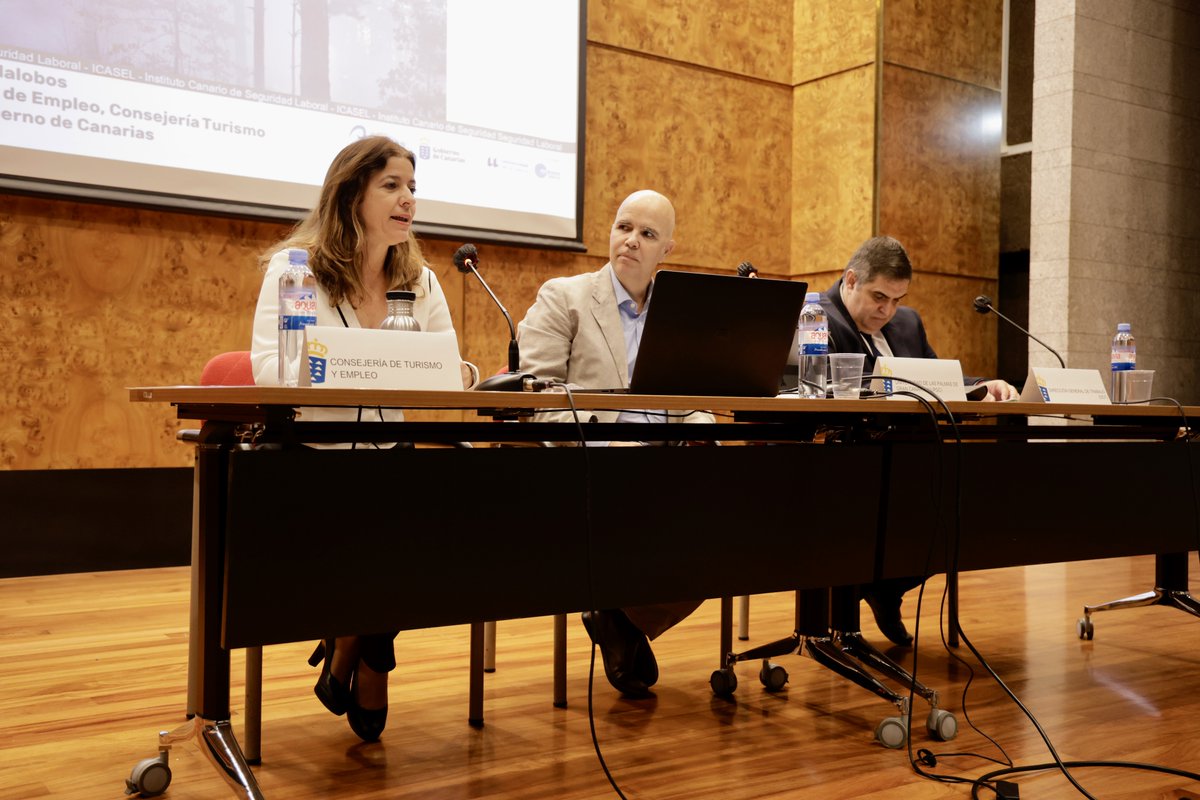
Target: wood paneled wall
[(896, 131), (939, 164), (758, 120), (97, 298), (833, 172)]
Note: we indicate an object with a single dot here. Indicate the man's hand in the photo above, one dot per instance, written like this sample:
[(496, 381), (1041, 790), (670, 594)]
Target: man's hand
[(1000, 390)]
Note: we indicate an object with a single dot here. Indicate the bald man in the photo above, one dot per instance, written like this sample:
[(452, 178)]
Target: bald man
[(585, 330), (579, 328)]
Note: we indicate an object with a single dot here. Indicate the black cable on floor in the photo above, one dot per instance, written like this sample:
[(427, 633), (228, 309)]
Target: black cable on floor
[(1085, 765)]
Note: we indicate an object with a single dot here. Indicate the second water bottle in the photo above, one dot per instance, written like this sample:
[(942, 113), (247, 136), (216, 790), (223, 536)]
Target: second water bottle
[(813, 355)]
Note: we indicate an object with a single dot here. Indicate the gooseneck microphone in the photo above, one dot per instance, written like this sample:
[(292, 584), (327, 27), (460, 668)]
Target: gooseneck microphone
[(465, 259), (983, 304)]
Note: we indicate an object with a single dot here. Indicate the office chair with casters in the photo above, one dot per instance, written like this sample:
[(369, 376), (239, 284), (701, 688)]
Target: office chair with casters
[(827, 631), (1170, 589)]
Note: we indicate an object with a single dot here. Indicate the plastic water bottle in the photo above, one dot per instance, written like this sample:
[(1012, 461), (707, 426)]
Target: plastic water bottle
[(814, 347), (400, 312), (297, 308), (1124, 355)]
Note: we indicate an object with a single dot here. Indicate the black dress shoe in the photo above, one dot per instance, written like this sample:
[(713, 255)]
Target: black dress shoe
[(885, 606), (367, 723), (620, 642), (645, 665), (329, 690)]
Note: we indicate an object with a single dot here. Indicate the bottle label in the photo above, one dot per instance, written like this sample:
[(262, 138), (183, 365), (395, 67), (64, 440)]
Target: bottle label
[(814, 341), (1123, 361), (297, 308)]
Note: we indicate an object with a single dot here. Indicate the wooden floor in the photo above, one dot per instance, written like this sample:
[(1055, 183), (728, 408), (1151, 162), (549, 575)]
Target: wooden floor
[(93, 665)]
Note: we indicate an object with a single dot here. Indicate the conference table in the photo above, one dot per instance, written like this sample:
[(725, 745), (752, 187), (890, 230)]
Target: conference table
[(459, 534)]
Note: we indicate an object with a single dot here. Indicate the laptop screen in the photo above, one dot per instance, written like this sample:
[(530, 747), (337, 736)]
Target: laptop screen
[(716, 335)]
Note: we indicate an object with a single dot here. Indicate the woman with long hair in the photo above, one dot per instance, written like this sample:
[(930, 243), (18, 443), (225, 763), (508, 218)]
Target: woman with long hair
[(360, 246)]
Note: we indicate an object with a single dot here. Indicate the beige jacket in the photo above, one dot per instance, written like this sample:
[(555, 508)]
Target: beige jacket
[(572, 333)]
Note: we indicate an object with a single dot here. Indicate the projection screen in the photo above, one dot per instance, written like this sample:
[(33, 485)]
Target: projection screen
[(238, 106)]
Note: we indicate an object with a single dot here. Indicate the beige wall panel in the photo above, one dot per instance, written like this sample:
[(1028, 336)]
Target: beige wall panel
[(833, 154), (953, 327), (715, 144), (940, 175), (98, 298), (958, 39), (744, 38), (832, 36)]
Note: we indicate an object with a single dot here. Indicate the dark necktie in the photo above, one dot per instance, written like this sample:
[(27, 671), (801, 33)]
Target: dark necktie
[(870, 340)]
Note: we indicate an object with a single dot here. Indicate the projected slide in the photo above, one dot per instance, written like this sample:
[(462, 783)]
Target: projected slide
[(245, 102)]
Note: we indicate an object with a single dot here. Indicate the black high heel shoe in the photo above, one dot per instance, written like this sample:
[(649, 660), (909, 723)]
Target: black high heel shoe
[(329, 690), (367, 723)]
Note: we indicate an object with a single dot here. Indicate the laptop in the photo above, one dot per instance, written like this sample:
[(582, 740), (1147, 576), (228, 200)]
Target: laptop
[(716, 335)]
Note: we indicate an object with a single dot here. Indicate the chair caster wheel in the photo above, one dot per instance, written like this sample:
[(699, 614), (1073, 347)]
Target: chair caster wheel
[(150, 777), (1084, 628), (723, 681), (941, 724), (892, 733), (773, 676)]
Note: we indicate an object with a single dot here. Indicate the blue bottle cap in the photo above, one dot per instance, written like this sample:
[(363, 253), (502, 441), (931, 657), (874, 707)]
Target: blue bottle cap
[(298, 256), (812, 297), (1122, 327)]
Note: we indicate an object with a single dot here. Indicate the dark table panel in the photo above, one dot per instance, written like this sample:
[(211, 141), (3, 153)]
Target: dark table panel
[(1039, 502), (318, 538)]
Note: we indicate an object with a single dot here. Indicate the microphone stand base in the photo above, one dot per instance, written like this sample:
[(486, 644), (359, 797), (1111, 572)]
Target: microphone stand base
[(505, 382)]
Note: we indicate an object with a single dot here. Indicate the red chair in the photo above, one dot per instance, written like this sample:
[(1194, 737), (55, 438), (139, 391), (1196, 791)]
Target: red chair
[(228, 369)]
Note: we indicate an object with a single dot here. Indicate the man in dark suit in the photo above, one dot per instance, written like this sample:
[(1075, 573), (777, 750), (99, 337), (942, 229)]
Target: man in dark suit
[(865, 316)]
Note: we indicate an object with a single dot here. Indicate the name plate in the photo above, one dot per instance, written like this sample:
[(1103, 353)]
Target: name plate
[(1057, 385), (942, 376), (363, 358)]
